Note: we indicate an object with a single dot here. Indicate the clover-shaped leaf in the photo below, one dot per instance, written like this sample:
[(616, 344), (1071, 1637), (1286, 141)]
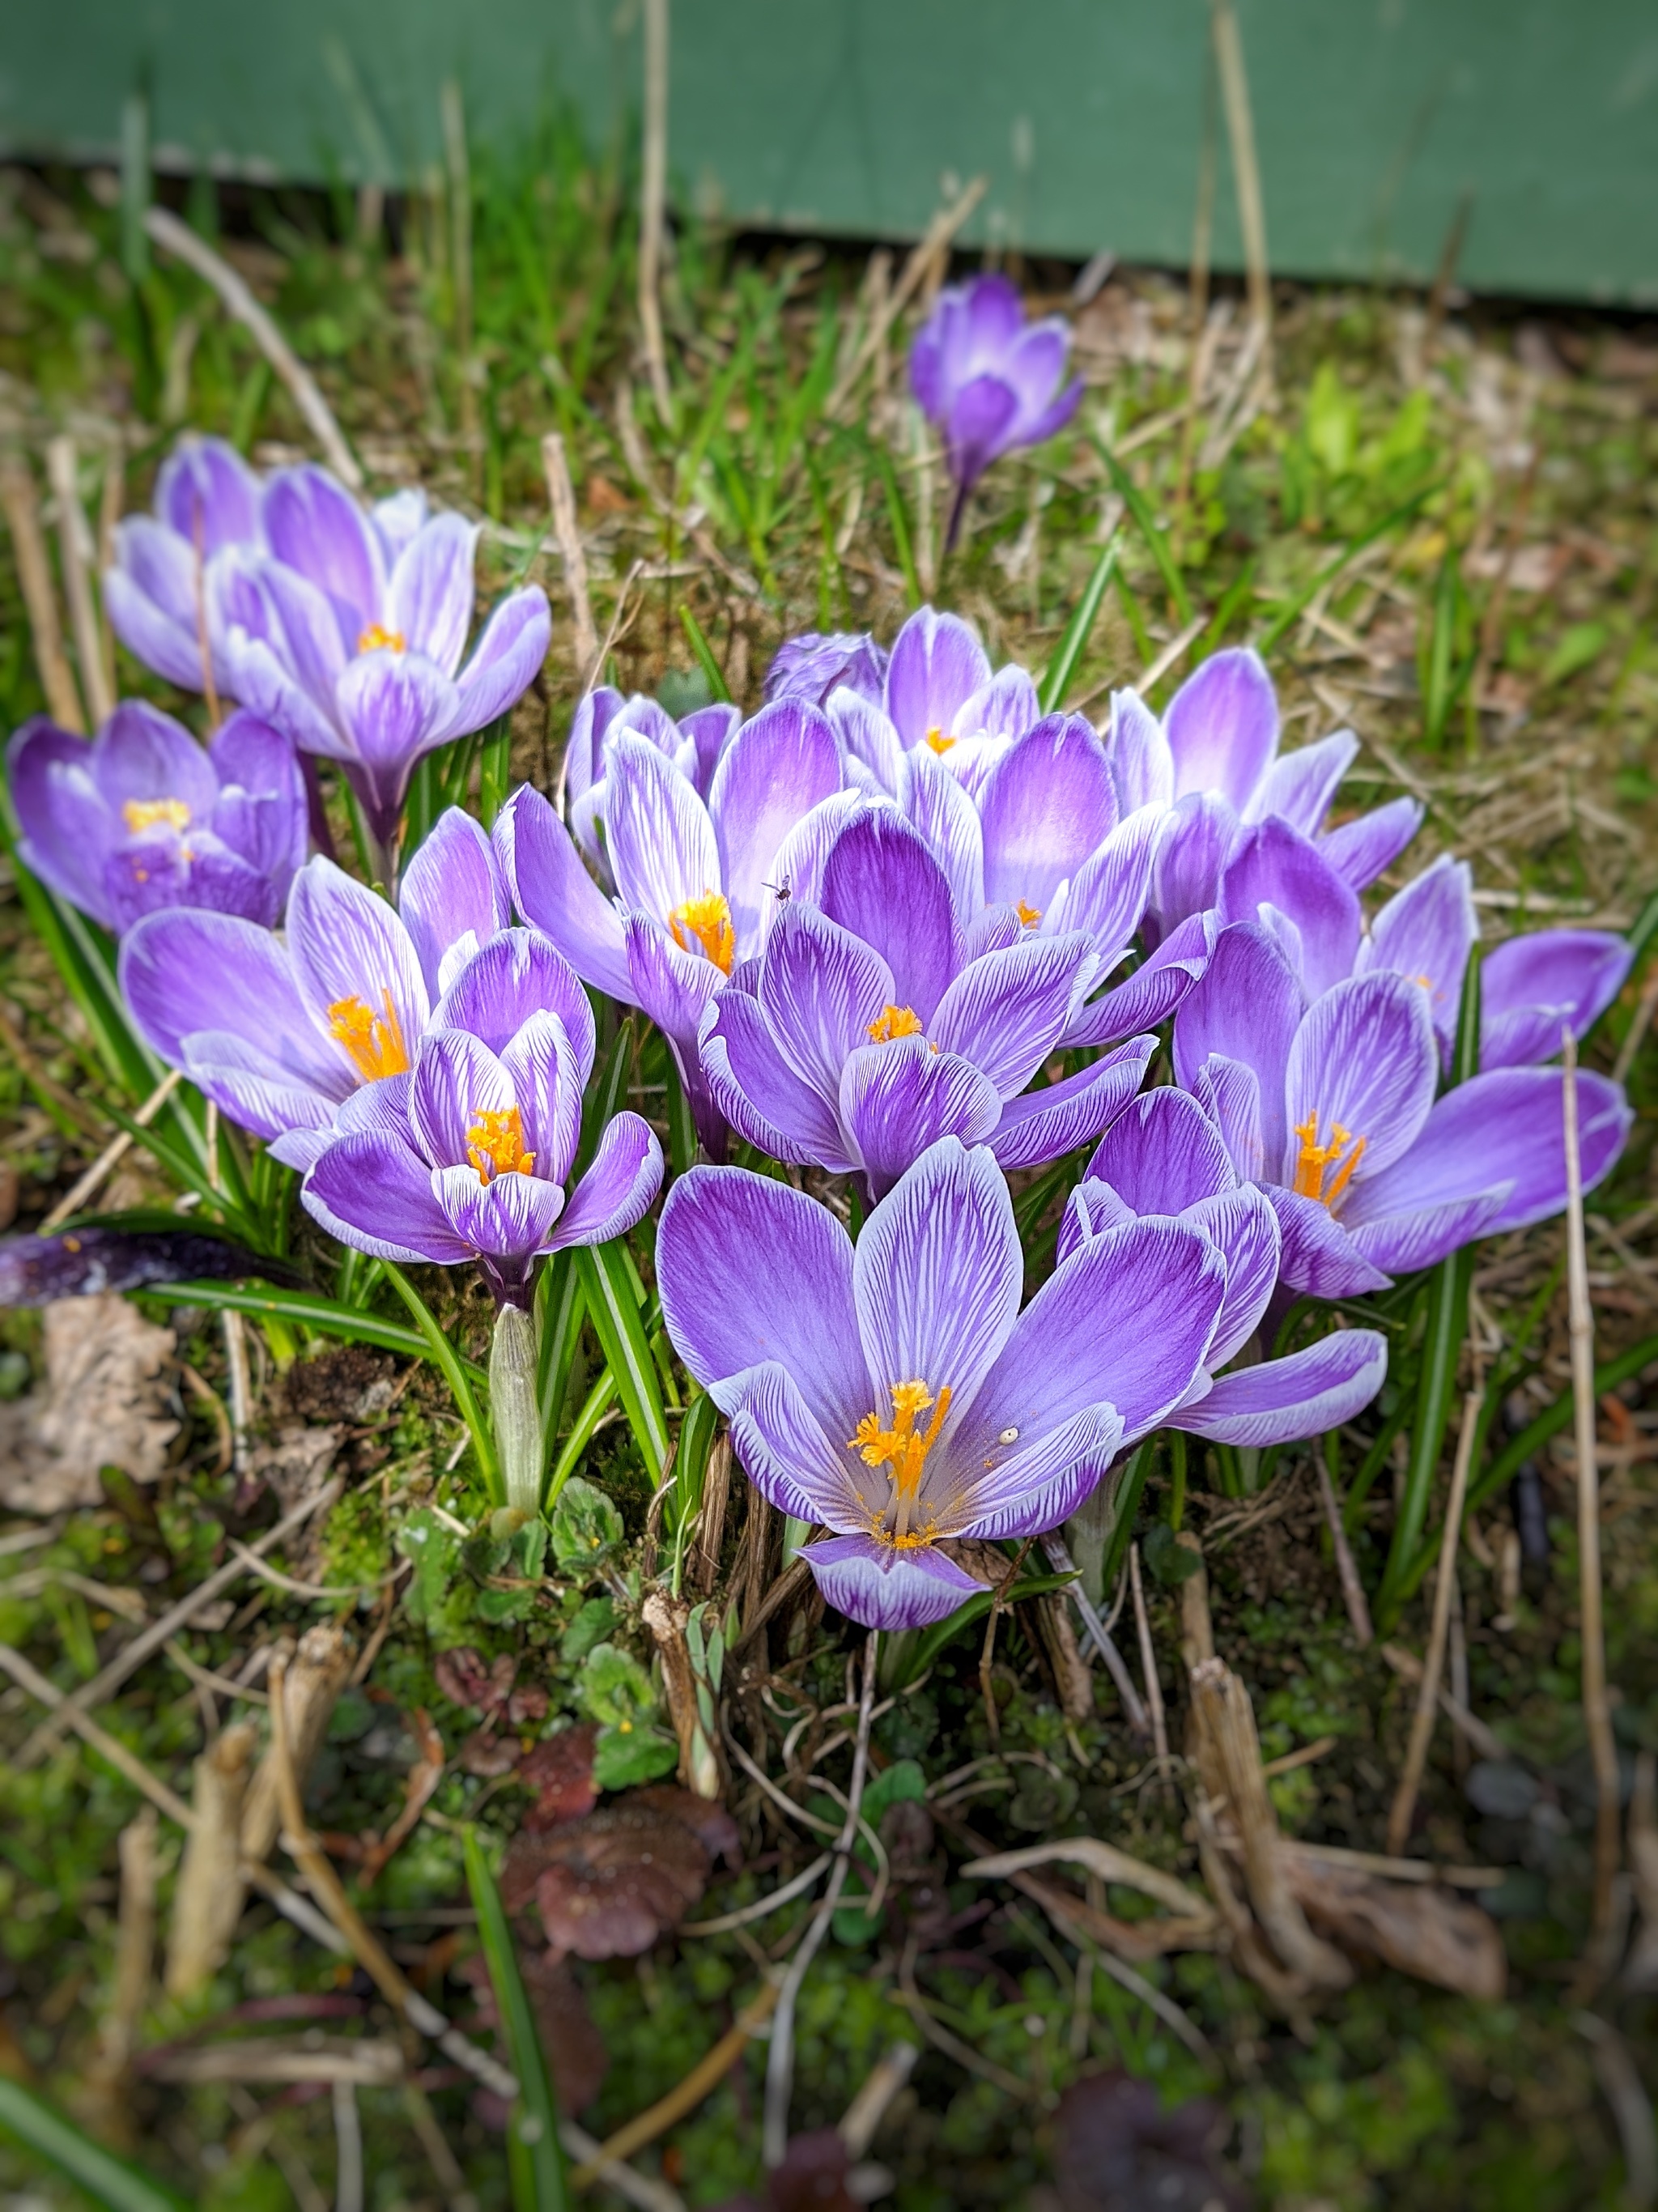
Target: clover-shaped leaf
[(586, 1525)]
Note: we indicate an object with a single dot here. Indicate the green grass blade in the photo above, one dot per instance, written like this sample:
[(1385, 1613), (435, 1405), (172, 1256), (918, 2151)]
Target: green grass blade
[(535, 2160), (1129, 1487), (1077, 631), (494, 768), (598, 1402), (66, 2146), (704, 652), (1550, 1422), (931, 1641), (561, 1308), (690, 1467), (900, 522), (1293, 607), (1157, 540), (299, 1310), (456, 1374), (604, 1095), (614, 1308)]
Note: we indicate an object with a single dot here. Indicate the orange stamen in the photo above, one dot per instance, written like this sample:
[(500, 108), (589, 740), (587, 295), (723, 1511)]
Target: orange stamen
[(495, 1144), (902, 1449), (142, 814), (1315, 1161), (378, 639), (940, 740), (708, 921), (1029, 916), (894, 1022), (374, 1042)]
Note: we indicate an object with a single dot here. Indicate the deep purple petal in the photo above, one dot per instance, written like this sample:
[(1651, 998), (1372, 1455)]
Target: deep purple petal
[(896, 1099), (936, 1275), (517, 974), (784, 1451), (1249, 1008), (1041, 1125), (510, 1218), (453, 895), (314, 526), (879, 1586), (393, 707), (1299, 786), (758, 1092), (1124, 1323), (773, 772), (1222, 727), (551, 889), (1319, 1257), (1158, 988), (1274, 866), (1193, 847), (1007, 1011), (814, 663), (1532, 987), (430, 591), (750, 1271), (674, 987), (822, 991), (618, 1189), (1230, 1094), (1163, 1154), (1362, 848), (1038, 1488), (937, 664), (187, 971), (68, 832), (375, 1194), (347, 944), (1425, 931), (882, 884), (1046, 806), (162, 872), (982, 424), (1242, 1224), (142, 754), (457, 1080), (1363, 1060), (206, 493), (505, 660), (1283, 1400)]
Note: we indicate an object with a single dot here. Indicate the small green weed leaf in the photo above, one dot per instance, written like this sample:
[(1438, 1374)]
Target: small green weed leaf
[(616, 1689), (436, 1551), (586, 1525), (1169, 1561), (625, 1756), (593, 1622)]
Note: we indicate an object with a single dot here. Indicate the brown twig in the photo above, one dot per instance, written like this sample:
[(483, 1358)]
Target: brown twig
[(1427, 1701), (1149, 1663), (560, 494), (1352, 1590), (178, 238), (653, 198), (1246, 167), (111, 1154), (1597, 1706), (21, 503), (1059, 1559)]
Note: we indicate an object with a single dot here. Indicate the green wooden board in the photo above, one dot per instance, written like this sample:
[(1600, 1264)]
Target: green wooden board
[(1375, 117)]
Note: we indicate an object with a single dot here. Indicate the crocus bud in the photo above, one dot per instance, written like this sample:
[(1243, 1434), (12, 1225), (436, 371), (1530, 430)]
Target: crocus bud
[(516, 1411)]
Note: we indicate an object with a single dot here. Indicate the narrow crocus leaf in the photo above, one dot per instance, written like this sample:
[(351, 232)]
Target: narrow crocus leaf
[(534, 2160), (704, 652), (613, 1304), (1156, 541), (64, 2144), (598, 1402), (455, 1373), (561, 1308), (1077, 631), (494, 768), (604, 1095), (1550, 1422), (690, 1467), (1447, 1324), (310, 1309)]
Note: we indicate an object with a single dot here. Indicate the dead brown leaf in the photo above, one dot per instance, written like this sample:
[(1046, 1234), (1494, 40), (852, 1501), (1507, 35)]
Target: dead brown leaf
[(559, 1770), (103, 1406), (608, 1885), (1420, 1929)]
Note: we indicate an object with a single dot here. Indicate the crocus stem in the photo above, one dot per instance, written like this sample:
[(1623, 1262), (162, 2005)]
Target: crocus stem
[(515, 1413)]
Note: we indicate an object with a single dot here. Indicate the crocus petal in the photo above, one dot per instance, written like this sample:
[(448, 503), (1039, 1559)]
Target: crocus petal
[(1046, 804), (1242, 1224), (773, 772), (1230, 1094), (1247, 1008), (347, 944), (1092, 1209), (935, 805), (1362, 848), (249, 1089), (1506, 1126), (784, 1451), (865, 729), (897, 1098), (710, 730), (937, 664), (1222, 727), (1042, 1125), (1299, 786), (659, 835), (760, 1095), (1163, 1154), (505, 660), (1426, 932), (261, 680), (186, 971), (881, 883), (1196, 841), (1318, 1256), (551, 889), (207, 495), (1274, 865), (430, 592), (620, 1188), (1283, 1400), (509, 1218), (393, 707), (823, 992), (1532, 987), (750, 1271), (541, 1067), (936, 1277), (453, 887), (1107, 896), (982, 416), (154, 873), (143, 754), (1422, 1236), (457, 1080), (376, 1194), (1007, 1011), (137, 607), (1139, 751), (1006, 706), (68, 832), (517, 974), (674, 987), (1364, 1061), (880, 1587), (1124, 1323), (1158, 988), (1038, 1488), (313, 526)]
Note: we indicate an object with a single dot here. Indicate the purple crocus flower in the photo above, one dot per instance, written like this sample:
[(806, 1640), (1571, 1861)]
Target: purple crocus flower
[(1329, 1105), (695, 747), (144, 818), (938, 690), (895, 1394), (349, 634), (1212, 766), (466, 1156), (816, 663), (280, 1030), (157, 592), (697, 883), (1164, 1156), (989, 381), (873, 1024), (1532, 988)]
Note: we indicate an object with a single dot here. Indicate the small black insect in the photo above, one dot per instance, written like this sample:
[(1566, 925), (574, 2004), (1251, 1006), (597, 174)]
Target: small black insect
[(781, 892)]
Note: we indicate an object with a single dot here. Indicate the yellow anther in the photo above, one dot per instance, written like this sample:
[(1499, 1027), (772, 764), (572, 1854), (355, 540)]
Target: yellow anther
[(902, 1450), (940, 740), (707, 921), (378, 639), (374, 1042), (142, 814), (1029, 916), (495, 1144), (894, 1022), (1315, 1161)]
